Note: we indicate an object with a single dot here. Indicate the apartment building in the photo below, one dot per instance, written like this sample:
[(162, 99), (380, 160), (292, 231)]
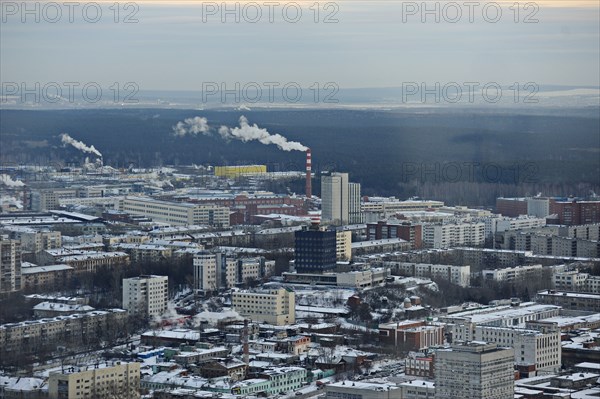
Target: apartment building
[(459, 275), (479, 258), (214, 271), (144, 252), (584, 231), (33, 240), (535, 351), (571, 280), (447, 235), (46, 278), (343, 245), (103, 381), (91, 261), (407, 231), (334, 198), (44, 200), (519, 223), (10, 265), (474, 370), (513, 273), (276, 307), (354, 208), (76, 330), (147, 295), (177, 213)]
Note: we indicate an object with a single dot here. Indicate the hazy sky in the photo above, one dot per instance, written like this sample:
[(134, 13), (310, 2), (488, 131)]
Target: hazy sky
[(171, 47)]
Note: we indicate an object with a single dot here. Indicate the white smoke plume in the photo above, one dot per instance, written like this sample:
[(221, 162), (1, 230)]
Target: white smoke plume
[(9, 182), (8, 202), (246, 132), (191, 126), (66, 139)]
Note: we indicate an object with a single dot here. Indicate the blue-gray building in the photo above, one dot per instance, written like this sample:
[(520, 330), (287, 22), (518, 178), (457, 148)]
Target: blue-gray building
[(315, 250)]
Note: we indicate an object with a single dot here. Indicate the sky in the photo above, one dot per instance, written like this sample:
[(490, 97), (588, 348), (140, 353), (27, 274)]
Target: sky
[(183, 45)]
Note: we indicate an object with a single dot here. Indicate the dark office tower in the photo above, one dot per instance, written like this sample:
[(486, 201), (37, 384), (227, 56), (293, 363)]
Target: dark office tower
[(315, 250)]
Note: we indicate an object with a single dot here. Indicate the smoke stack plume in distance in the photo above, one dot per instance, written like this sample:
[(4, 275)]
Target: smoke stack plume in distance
[(308, 173)]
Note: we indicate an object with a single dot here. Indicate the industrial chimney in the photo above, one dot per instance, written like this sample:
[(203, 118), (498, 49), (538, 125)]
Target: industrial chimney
[(308, 174), (245, 347)]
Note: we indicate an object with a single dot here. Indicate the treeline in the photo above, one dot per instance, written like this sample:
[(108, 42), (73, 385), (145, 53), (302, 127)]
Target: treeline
[(456, 156)]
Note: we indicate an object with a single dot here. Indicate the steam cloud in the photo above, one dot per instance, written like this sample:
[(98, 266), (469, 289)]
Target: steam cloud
[(245, 132), (66, 139), (191, 126), (9, 182)]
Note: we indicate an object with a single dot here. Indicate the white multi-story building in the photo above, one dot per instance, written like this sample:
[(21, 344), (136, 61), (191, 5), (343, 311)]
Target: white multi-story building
[(75, 330), (144, 252), (592, 284), (99, 381), (541, 349), (583, 231), (520, 223), (462, 325), (474, 370), (390, 206), (10, 265), (33, 240), (147, 295), (460, 275), (44, 200), (343, 245), (215, 271), (538, 207), (354, 208), (513, 273), (447, 235), (207, 271), (177, 213), (334, 198), (570, 280), (362, 390), (276, 307), (576, 281)]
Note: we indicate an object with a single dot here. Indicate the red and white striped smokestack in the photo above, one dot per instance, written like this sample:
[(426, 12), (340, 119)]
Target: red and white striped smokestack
[(308, 174)]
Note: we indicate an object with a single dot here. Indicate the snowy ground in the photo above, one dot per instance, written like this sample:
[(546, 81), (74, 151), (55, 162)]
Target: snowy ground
[(326, 297)]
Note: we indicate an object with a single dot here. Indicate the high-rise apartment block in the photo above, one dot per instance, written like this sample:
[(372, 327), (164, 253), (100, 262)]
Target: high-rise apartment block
[(474, 370), (146, 295), (334, 198), (340, 200), (10, 265), (354, 208)]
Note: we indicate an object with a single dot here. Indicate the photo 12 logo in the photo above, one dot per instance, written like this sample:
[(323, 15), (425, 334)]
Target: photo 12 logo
[(68, 92), (269, 92), (468, 92), (472, 172), (453, 12), (69, 11), (270, 11)]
